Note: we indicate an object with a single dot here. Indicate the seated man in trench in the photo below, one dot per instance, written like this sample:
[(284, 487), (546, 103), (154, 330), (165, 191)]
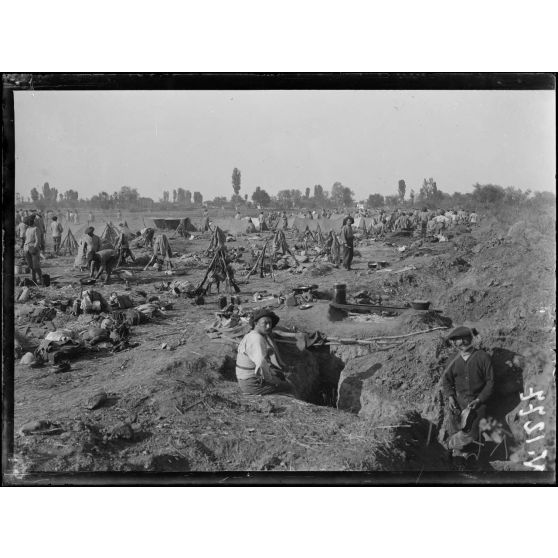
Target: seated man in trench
[(259, 368), (467, 383)]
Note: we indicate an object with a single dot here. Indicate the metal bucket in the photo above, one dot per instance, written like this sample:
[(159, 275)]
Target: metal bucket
[(340, 293)]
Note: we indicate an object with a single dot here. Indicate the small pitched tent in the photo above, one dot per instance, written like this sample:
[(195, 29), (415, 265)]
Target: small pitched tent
[(280, 246), (219, 268), (218, 240), (184, 227), (335, 251), (360, 225), (319, 236), (69, 245), (110, 234)]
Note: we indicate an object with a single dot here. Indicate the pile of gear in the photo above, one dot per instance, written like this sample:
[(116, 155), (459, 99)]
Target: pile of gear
[(109, 327), (302, 296)]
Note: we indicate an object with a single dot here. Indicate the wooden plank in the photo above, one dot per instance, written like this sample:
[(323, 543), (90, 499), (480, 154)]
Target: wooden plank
[(375, 308), (366, 307)]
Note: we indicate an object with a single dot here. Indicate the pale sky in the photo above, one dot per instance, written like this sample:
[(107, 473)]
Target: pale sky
[(92, 141)]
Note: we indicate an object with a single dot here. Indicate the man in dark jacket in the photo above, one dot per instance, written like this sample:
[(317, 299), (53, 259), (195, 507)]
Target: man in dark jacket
[(468, 383), (347, 241)]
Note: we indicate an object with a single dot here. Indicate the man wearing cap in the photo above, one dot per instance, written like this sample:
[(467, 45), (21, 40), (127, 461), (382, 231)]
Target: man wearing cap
[(259, 368), (467, 383)]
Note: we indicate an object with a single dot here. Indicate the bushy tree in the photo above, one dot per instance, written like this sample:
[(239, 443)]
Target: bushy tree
[(46, 191), (392, 200), (188, 197), (35, 195), (296, 196), (236, 181), (318, 192), (402, 187), (545, 198), (198, 198), (174, 196), (181, 196), (72, 195), (127, 197), (375, 200), (284, 198), (307, 193), (102, 200), (289, 198), (516, 195), (341, 195), (488, 193), (261, 197), (428, 191), (49, 194), (145, 203)]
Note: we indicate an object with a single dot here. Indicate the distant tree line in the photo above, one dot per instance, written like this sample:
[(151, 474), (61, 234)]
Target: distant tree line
[(338, 196)]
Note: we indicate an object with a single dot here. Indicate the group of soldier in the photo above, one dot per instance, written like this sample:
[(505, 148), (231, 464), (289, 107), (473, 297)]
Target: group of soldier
[(425, 220)]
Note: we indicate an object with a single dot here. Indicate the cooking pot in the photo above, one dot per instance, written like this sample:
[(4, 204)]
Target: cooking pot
[(420, 304)]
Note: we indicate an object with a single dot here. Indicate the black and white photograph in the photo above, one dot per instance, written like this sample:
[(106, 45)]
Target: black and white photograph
[(279, 279)]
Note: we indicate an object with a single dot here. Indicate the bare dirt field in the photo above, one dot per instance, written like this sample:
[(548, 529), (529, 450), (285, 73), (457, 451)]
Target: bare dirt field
[(172, 402)]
